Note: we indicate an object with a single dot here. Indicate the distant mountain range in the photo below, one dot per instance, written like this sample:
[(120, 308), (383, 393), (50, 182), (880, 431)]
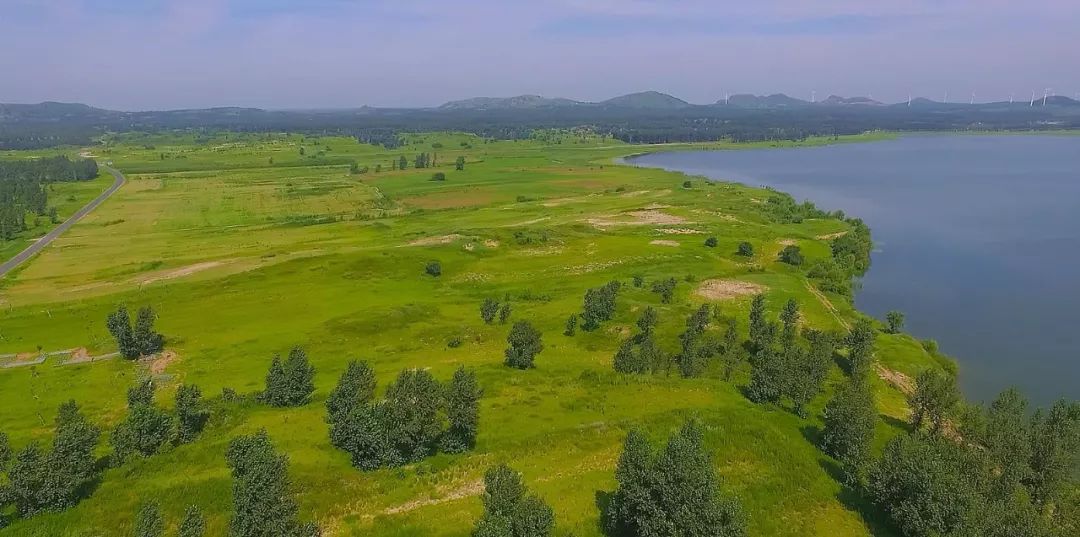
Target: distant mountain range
[(640, 101)]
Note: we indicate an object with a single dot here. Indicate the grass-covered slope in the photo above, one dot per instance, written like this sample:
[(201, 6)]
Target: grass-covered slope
[(244, 258)]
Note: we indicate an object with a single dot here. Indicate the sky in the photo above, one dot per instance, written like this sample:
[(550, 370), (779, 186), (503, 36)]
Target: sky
[(168, 54)]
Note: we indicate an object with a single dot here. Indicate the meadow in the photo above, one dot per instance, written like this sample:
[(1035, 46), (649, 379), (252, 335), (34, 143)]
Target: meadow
[(246, 246)]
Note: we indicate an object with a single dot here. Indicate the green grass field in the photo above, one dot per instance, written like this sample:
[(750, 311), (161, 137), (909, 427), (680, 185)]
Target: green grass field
[(244, 257)]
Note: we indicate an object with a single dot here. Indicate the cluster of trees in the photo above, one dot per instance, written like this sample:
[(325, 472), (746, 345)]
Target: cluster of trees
[(137, 341), (418, 417), (147, 429), (639, 353), (665, 288), (599, 305), (673, 492), (23, 188), (1005, 472), (522, 345), (490, 308), (509, 509), (781, 366), (289, 383), (40, 479), (150, 523)]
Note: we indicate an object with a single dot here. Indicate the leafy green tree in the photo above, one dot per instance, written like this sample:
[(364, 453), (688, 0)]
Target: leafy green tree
[(790, 319), (193, 524), (676, 492), (119, 325), (895, 321), (711, 242), (791, 255), (72, 459), (523, 344), (929, 486), (1007, 440), (648, 320), (509, 511), (599, 305), (261, 503), (145, 429), (413, 403), (694, 356), (571, 325), (849, 428), (860, 343), (141, 393), (290, 383), (191, 414), (746, 249), (355, 387), (638, 280), (5, 451), (27, 477), (504, 313), (1055, 449), (276, 384), (438, 176), (459, 164), (665, 288), (403, 162), (768, 375), (628, 360), (732, 354), (146, 339), (760, 332), (934, 398), (462, 411), (148, 522), (489, 309), (808, 370)]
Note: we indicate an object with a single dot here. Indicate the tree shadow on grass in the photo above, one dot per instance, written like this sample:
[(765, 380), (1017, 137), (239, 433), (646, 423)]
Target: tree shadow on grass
[(896, 423), (812, 434), (877, 521), (603, 505)]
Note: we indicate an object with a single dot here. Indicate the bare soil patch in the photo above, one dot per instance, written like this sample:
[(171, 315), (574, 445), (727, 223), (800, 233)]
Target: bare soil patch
[(677, 231), (664, 243), (491, 243), (831, 236), (640, 217), (727, 289), (788, 242), (434, 241), (181, 272), (473, 488), (159, 363), (898, 380)]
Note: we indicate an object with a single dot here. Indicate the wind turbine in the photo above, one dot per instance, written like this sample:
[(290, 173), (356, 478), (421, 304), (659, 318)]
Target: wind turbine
[(946, 99), (813, 96), (1045, 93), (1032, 98), (973, 97), (909, 98), (1011, 95)]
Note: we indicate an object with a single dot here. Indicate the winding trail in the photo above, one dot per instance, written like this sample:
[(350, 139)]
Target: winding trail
[(40, 244)]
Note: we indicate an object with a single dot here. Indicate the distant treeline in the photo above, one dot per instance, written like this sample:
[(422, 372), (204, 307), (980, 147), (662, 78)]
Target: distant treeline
[(22, 188), (53, 124)]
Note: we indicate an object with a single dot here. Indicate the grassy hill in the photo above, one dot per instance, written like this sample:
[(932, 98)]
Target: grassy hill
[(246, 247)]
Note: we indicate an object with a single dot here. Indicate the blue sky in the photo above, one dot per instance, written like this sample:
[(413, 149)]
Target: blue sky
[(154, 54)]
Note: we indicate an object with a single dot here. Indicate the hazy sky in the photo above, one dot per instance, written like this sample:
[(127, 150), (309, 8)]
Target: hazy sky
[(154, 54)]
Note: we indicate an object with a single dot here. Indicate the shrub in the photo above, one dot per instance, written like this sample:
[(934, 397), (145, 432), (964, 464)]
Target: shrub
[(746, 249), (434, 269), (509, 511), (462, 412), (523, 344), (711, 242), (791, 255), (687, 184), (438, 176), (895, 321), (290, 383), (488, 309)]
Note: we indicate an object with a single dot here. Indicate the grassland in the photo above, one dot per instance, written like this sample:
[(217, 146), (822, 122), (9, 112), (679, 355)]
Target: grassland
[(244, 257)]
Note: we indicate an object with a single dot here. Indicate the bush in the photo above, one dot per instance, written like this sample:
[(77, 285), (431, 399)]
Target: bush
[(523, 344), (746, 249), (438, 176), (434, 269), (895, 321), (489, 309), (711, 242), (509, 511), (290, 383), (791, 255), (687, 184)]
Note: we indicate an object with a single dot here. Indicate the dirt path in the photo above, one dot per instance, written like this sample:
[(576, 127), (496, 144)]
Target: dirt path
[(828, 305)]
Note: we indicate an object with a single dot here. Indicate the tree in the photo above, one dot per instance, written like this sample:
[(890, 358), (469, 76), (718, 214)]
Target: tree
[(146, 339), (647, 321), (524, 344), (790, 319), (433, 268), (599, 305), (1007, 440), (808, 371), (694, 357), (1055, 445), (768, 375), (687, 184), (791, 255), (665, 288), (488, 309), (760, 337), (895, 321), (860, 343), (413, 404), (849, 428), (355, 387), (929, 486), (732, 353), (934, 398), (674, 493), (504, 313), (462, 411), (402, 162), (145, 429), (290, 383), (191, 416), (148, 522), (711, 242), (26, 480), (571, 325), (746, 249), (119, 325), (193, 523), (509, 511), (5, 451), (459, 164), (438, 176), (261, 504)]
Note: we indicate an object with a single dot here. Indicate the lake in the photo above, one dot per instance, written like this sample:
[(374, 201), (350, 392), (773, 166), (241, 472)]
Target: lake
[(977, 241)]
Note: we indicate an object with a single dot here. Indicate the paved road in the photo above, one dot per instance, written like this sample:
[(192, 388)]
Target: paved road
[(33, 249)]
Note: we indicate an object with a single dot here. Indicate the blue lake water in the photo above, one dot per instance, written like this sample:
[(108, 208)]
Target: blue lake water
[(977, 240)]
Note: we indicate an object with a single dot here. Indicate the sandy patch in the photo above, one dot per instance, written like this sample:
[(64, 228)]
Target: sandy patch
[(640, 218), (788, 242), (491, 243), (181, 272), (529, 222), (634, 194), (727, 289), (655, 206), (677, 231), (159, 363), (896, 379), (664, 243), (831, 236), (434, 241), (563, 201), (546, 250)]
